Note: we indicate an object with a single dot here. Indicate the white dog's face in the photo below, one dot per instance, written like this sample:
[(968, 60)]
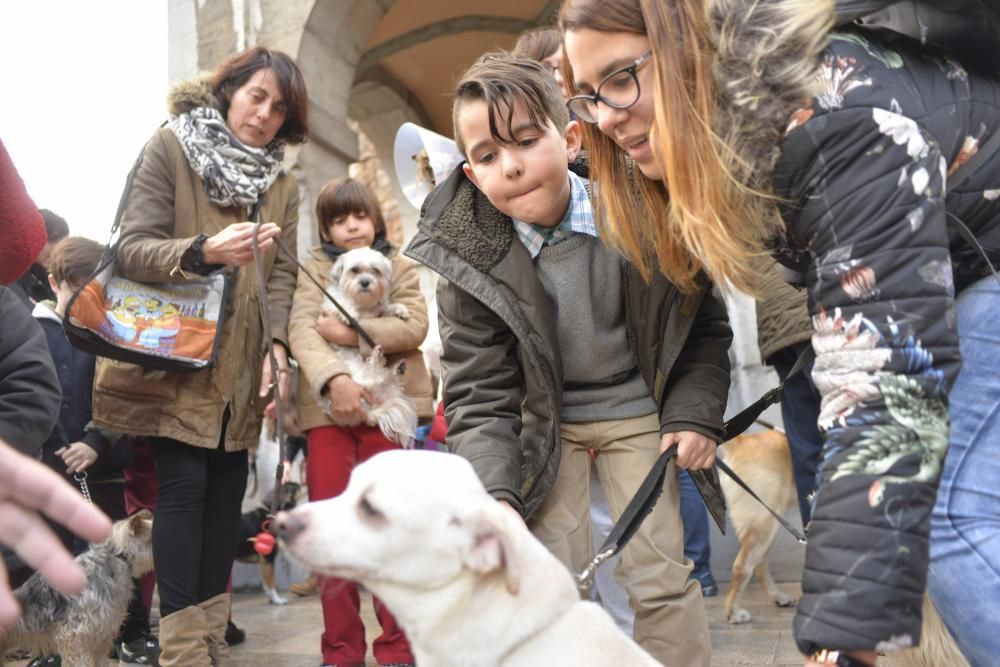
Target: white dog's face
[(364, 275), (419, 531), (408, 519)]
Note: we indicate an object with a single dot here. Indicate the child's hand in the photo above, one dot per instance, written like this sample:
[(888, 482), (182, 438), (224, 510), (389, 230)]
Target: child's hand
[(334, 331), (694, 450), (345, 400), (78, 456)]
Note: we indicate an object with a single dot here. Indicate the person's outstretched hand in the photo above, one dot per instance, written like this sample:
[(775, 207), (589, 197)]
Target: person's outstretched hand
[(28, 489)]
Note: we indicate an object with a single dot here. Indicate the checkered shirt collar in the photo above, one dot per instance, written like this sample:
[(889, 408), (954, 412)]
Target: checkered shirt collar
[(579, 219)]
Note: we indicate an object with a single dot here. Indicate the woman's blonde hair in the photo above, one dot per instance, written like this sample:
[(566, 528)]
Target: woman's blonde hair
[(701, 216)]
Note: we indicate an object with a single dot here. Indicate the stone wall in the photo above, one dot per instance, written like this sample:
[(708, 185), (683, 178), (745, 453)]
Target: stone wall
[(370, 171)]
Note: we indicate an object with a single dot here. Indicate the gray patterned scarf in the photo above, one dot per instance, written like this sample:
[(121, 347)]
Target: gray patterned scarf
[(234, 174)]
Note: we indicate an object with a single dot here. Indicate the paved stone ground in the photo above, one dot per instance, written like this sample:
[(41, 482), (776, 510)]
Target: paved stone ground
[(289, 636)]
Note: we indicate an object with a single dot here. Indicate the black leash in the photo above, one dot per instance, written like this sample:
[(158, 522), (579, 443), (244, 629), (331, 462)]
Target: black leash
[(265, 316), (279, 421), (652, 486), (796, 533), (350, 318), (749, 415)]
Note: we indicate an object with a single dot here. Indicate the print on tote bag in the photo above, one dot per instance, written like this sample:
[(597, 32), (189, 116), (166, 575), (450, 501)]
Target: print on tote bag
[(179, 321)]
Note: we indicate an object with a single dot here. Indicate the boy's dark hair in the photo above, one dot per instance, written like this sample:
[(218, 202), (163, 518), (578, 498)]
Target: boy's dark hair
[(502, 80), (343, 196), (236, 70), (538, 43), (73, 260), (56, 228)]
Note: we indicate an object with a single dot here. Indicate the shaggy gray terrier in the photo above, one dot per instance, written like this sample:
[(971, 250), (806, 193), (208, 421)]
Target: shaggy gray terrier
[(81, 628)]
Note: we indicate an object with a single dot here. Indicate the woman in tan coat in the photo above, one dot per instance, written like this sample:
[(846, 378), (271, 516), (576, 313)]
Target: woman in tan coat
[(187, 215), (349, 218)]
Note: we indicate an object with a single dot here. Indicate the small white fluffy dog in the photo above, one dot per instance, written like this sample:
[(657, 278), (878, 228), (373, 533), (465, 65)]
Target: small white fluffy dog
[(466, 580), (361, 280)]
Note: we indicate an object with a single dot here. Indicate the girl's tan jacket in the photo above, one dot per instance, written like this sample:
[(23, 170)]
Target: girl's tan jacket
[(399, 339)]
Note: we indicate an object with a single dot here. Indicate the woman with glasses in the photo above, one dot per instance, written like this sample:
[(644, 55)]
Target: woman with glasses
[(753, 127)]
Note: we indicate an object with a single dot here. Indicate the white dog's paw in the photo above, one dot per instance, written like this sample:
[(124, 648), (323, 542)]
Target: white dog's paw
[(399, 310), (783, 600), (739, 616)]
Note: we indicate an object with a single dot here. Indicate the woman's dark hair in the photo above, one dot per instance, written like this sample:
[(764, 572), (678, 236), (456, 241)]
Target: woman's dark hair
[(236, 70), (343, 196), (538, 43)]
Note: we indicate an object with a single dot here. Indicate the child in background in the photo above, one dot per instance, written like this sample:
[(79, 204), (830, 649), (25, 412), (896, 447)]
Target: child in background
[(75, 447), (349, 217), (553, 345)]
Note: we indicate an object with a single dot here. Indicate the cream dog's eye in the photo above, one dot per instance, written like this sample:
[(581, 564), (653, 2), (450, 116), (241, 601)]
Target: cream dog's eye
[(368, 510)]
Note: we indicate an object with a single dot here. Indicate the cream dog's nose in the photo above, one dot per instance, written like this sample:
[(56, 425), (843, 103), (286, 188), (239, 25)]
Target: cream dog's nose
[(288, 524)]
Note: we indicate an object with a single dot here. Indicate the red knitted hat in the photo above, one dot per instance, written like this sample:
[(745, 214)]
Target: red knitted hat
[(22, 229)]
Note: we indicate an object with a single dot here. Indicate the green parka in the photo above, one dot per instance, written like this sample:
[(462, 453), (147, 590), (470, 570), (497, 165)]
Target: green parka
[(167, 209)]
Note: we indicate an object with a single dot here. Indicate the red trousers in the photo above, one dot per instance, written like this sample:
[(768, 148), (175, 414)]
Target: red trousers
[(142, 487), (333, 453)]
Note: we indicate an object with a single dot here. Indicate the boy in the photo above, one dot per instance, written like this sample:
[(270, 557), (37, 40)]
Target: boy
[(553, 345), (75, 446)]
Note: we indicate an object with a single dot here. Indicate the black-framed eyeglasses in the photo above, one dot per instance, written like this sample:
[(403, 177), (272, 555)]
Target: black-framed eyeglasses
[(618, 90)]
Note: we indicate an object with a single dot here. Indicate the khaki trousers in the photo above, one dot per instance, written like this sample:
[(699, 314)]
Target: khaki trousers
[(670, 619)]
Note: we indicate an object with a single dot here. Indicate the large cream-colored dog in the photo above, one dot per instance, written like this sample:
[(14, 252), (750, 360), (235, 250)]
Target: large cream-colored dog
[(465, 579), (764, 462), (361, 281)]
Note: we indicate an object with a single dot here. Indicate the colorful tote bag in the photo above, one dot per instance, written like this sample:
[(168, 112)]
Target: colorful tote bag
[(162, 326), (168, 326)]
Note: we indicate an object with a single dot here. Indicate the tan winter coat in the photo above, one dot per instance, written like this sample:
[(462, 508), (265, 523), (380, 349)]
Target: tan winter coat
[(318, 362), (782, 315), (167, 209)]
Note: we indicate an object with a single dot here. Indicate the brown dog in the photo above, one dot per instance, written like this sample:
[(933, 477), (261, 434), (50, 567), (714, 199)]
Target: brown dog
[(765, 464)]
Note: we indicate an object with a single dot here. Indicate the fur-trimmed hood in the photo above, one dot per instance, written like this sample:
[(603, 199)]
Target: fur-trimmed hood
[(767, 60), (190, 94)]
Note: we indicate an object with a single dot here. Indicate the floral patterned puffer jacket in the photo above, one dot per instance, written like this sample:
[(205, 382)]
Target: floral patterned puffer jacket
[(863, 172)]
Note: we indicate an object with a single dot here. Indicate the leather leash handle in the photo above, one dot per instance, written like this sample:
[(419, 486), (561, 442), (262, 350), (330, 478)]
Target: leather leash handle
[(638, 509), (652, 486)]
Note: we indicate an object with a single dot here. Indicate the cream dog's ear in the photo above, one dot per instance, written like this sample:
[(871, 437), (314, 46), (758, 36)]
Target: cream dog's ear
[(338, 270), (385, 266), (493, 544)]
